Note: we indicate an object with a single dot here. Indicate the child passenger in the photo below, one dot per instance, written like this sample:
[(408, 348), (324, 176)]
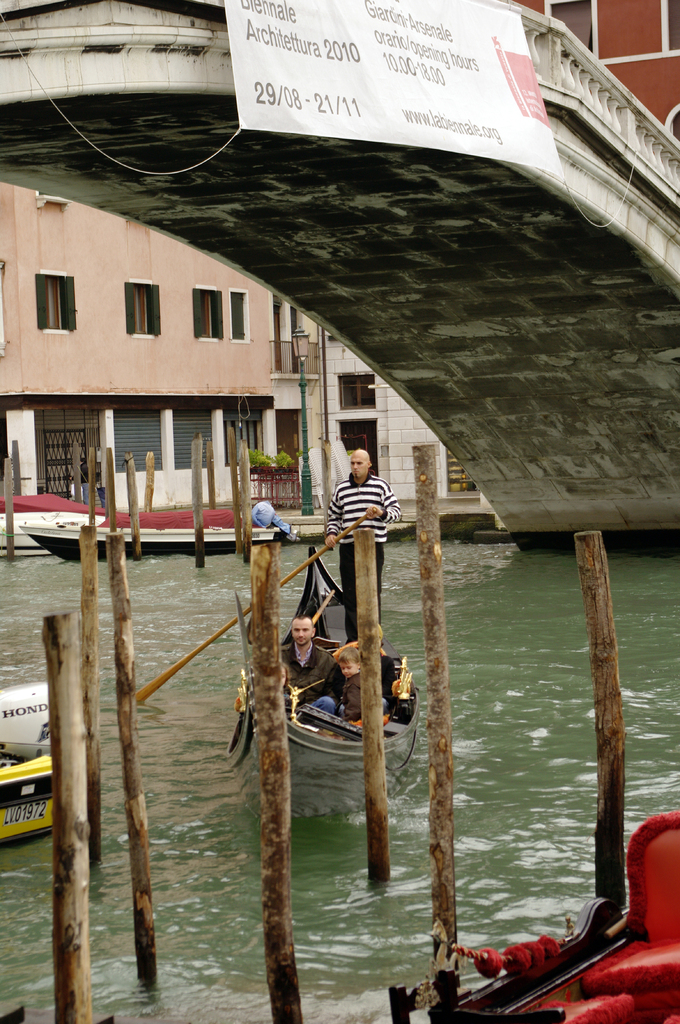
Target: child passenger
[(350, 704)]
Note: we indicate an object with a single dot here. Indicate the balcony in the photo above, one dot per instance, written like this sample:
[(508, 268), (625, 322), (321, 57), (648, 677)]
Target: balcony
[(284, 359)]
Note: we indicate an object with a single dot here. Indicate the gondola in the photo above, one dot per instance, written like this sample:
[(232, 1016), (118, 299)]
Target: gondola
[(326, 753), (613, 968)]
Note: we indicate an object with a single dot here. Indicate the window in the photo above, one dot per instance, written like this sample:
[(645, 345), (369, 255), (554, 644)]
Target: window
[(56, 302), (293, 320), (674, 24), (142, 308), (207, 313), (238, 308), (277, 319), (250, 429), (355, 392), (577, 16)]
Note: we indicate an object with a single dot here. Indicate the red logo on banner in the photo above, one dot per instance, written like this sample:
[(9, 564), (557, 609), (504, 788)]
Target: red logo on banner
[(521, 77)]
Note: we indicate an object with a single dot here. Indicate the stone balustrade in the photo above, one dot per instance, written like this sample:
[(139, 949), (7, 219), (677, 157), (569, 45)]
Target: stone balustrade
[(572, 78)]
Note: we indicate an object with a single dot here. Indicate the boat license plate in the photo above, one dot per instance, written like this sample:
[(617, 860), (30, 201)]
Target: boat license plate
[(32, 811)]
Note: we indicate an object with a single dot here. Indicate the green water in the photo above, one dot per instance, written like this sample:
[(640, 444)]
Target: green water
[(525, 783)]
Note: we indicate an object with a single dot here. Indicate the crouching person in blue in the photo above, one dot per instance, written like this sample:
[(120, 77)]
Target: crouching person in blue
[(310, 668)]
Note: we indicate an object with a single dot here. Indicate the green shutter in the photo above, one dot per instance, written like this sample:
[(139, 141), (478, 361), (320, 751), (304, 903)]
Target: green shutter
[(198, 312), (218, 317), (238, 327), (41, 300), (154, 309), (129, 307), (69, 304)]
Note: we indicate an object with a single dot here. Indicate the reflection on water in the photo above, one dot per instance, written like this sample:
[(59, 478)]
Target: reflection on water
[(525, 783)]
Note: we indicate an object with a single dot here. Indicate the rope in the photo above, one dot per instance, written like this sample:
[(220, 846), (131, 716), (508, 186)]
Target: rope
[(113, 159), (594, 223)]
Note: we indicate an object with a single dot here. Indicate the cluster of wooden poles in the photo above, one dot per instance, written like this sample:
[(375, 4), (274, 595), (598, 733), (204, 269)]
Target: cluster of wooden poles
[(71, 642), (72, 656), (240, 484)]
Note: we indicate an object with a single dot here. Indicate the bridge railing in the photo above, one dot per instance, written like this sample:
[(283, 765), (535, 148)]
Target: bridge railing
[(571, 77)]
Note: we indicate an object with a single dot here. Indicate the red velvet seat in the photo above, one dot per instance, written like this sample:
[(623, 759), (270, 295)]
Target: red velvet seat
[(602, 1010), (649, 970)]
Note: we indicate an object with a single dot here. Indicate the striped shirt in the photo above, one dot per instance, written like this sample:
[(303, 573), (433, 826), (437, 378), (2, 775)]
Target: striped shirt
[(350, 501)]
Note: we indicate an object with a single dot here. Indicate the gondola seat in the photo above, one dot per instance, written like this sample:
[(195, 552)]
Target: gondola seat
[(648, 969), (601, 1010)]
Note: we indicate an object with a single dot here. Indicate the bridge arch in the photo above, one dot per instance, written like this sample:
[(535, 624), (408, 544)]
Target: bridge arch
[(540, 347)]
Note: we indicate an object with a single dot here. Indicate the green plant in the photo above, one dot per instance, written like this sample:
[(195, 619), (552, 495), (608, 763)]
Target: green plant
[(283, 460), (258, 458)]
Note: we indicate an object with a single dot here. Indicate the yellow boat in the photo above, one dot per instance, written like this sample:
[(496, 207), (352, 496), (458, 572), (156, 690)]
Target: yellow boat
[(26, 799)]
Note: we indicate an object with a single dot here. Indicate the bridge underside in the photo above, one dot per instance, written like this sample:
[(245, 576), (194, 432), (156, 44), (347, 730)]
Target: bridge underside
[(541, 350)]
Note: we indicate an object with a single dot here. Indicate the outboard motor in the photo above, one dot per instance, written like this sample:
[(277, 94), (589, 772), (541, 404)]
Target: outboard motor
[(24, 723)]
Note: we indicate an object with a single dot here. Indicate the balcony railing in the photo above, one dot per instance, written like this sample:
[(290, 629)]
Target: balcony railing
[(284, 359)]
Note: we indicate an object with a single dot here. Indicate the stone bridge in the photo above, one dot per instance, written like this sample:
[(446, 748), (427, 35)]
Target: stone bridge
[(533, 324)]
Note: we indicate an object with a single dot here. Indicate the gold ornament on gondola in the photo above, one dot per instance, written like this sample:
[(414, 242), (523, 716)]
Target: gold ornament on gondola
[(242, 696), (295, 692), (401, 687)]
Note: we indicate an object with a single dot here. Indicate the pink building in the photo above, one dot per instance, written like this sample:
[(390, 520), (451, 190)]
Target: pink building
[(112, 335)]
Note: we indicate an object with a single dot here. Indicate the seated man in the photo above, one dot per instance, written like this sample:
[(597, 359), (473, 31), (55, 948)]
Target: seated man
[(310, 668), (264, 514)]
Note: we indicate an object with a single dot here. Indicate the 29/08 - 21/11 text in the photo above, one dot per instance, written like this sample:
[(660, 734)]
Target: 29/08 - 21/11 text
[(267, 94)]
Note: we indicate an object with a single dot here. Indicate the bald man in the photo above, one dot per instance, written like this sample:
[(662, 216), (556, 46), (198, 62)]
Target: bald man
[(361, 492)]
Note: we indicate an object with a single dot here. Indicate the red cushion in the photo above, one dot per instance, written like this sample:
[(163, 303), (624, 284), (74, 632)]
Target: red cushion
[(604, 1010), (643, 969)]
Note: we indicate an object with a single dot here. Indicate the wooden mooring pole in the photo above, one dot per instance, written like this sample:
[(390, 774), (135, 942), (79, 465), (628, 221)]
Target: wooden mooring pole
[(133, 507), (9, 509), (89, 676), (110, 492), (16, 464), (368, 628), (235, 495), (135, 804), (246, 504), (591, 558), (210, 464), (91, 483), (70, 866), (150, 481), (275, 833), (440, 770), (197, 498)]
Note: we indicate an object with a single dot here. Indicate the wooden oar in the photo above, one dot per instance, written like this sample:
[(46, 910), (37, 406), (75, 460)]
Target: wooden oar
[(317, 615), (156, 683)]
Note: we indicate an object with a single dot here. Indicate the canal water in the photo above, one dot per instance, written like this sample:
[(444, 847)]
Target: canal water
[(525, 781)]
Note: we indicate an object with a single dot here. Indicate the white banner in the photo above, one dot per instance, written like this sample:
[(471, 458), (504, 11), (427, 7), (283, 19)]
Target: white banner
[(441, 74)]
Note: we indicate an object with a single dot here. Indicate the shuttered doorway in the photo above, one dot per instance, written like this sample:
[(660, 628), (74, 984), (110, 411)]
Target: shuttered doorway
[(56, 431), (138, 432), (184, 425)]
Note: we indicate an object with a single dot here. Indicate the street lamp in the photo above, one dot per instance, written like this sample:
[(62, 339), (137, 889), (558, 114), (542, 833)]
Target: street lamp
[(301, 344)]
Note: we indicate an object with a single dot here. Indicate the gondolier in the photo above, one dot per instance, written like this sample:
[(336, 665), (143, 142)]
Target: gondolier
[(361, 493)]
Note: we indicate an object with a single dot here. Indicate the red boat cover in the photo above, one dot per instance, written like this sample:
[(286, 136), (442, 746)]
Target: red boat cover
[(178, 519), (45, 503)]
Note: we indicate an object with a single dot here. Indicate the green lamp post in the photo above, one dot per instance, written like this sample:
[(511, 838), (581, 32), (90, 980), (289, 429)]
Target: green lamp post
[(301, 345)]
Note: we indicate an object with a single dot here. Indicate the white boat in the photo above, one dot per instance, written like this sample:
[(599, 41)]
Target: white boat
[(162, 533), (37, 510)]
